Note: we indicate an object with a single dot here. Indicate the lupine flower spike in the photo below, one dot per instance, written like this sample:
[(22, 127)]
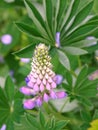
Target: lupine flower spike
[(41, 81)]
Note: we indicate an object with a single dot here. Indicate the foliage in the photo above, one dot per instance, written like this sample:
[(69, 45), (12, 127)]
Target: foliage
[(77, 23)]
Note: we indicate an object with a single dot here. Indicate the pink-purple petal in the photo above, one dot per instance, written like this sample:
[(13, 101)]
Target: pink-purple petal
[(27, 91), (53, 95), (46, 97), (61, 94), (29, 104)]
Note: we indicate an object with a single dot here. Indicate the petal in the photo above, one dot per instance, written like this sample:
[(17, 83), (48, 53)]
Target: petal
[(30, 84), (27, 91), (58, 79), (29, 104), (36, 87), (53, 85), (46, 97), (61, 94), (53, 95), (44, 81), (3, 127), (41, 87), (27, 79), (39, 101), (38, 81), (48, 87)]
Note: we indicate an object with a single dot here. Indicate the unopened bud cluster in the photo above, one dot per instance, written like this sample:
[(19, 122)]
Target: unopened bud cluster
[(42, 80)]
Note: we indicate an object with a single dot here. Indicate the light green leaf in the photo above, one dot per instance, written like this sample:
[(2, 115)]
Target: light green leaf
[(74, 50), (84, 43), (64, 59)]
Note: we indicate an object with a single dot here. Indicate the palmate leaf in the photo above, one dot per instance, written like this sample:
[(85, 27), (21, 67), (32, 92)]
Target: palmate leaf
[(82, 88), (10, 108), (82, 15), (68, 18), (32, 122)]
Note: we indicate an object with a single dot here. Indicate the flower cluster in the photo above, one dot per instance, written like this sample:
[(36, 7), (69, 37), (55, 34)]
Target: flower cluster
[(41, 81)]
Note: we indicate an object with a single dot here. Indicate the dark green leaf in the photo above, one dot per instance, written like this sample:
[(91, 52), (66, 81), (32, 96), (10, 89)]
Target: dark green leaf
[(95, 116), (33, 121), (42, 118), (86, 117), (82, 15), (26, 52), (61, 12), (81, 76), (36, 17), (61, 124), (9, 88)]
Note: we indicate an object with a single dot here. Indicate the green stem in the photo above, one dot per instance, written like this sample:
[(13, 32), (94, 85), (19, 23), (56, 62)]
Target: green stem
[(79, 62), (73, 73)]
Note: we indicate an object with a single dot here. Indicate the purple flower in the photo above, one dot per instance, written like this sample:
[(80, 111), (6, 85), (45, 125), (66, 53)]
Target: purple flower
[(92, 38), (57, 39), (39, 101), (41, 81), (6, 39), (3, 127), (29, 104), (53, 95), (58, 78), (27, 91), (25, 60), (61, 94)]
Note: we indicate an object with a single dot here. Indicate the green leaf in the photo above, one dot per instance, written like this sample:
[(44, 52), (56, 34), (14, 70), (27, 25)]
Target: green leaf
[(24, 124), (33, 121), (86, 117), (69, 78), (95, 116), (49, 12), (9, 88), (63, 59), (61, 12), (61, 124), (81, 76), (26, 52), (84, 43), (31, 31), (36, 17), (73, 12), (82, 14), (42, 118), (74, 50), (84, 30)]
